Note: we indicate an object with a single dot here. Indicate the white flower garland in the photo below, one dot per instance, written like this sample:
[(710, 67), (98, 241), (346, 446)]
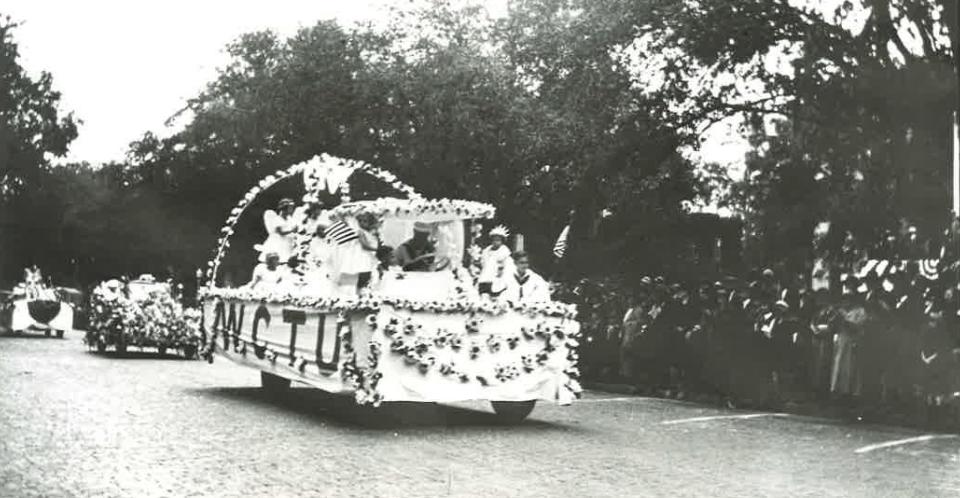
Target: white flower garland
[(374, 302), (228, 228), (417, 207)]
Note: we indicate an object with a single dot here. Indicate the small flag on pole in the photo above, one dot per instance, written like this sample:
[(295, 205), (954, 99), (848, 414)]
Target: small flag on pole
[(560, 248), (340, 233)]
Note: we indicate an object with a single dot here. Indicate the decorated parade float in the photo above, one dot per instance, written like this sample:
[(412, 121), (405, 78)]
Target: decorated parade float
[(387, 330), (141, 313), (34, 305)]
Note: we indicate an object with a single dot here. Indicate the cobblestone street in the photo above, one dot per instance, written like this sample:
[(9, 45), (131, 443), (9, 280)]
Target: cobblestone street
[(75, 423)]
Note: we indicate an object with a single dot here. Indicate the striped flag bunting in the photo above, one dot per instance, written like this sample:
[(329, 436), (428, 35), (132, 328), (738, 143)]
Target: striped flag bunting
[(929, 268), (560, 247), (340, 233)]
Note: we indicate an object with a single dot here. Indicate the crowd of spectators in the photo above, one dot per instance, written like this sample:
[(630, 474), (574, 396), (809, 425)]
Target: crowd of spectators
[(884, 341)]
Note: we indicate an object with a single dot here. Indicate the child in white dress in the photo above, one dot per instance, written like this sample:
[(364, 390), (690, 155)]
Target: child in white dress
[(281, 226), (495, 262)]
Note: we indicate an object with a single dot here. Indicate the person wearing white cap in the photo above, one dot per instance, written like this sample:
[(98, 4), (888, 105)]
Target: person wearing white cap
[(420, 252), (495, 262)]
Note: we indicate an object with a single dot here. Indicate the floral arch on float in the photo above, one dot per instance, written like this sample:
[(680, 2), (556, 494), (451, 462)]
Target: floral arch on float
[(422, 335)]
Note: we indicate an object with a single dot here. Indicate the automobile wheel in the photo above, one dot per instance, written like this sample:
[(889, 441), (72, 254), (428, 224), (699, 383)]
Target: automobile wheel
[(46, 332), (162, 351), (190, 352), (101, 346), (273, 384), (121, 347), (59, 334), (512, 412)]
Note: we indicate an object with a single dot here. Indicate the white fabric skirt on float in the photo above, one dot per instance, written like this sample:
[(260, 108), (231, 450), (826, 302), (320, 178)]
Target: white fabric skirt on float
[(352, 258)]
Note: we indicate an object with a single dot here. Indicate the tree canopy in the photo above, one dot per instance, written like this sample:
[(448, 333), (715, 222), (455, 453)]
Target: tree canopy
[(560, 107)]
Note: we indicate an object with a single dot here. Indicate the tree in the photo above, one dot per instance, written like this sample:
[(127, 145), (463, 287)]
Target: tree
[(607, 141), (32, 131), (867, 105)]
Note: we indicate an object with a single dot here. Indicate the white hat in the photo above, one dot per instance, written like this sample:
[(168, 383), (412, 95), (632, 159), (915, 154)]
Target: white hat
[(500, 231), (422, 227)]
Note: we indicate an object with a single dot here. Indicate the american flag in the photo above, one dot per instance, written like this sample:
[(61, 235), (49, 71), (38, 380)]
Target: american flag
[(560, 248), (340, 233)]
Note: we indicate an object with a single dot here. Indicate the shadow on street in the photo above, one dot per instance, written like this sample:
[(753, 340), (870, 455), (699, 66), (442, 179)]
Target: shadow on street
[(343, 410), (32, 334), (138, 355)]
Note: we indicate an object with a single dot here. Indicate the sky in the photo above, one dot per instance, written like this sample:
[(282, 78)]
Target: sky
[(124, 67)]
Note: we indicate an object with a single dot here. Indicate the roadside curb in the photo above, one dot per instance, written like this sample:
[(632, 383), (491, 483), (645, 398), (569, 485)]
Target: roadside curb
[(804, 409), (612, 388)]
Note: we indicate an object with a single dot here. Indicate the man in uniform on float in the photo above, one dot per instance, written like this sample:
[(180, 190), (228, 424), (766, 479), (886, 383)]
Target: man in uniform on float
[(420, 252), (526, 285)]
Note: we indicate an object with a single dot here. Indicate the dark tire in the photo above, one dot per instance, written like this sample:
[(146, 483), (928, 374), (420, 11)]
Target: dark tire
[(101, 346), (273, 384), (46, 332), (121, 347), (512, 412), (59, 334), (162, 351), (190, 352)]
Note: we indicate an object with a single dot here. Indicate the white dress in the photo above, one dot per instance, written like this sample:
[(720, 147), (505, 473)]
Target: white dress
[(282, 244), (491, 259), (352, 258), (266, 279)]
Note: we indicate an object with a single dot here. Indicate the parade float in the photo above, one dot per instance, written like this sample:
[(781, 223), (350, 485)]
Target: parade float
[(416, 336), (33, 305), (141, 313)]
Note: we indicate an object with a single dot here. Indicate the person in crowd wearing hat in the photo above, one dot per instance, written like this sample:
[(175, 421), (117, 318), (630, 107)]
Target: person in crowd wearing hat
[(495, 260), (526, 285), (269, 274), (281, 227), (420, 252)]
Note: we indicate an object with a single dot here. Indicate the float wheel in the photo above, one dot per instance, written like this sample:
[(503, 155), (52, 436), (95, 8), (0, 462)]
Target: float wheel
[(101, 346), (190, 351), (46, 332), (273, 384), (162, 351), (59, 334), (512, 412)]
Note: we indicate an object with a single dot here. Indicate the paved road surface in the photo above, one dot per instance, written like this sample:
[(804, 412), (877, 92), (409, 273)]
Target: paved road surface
[(73, 423)]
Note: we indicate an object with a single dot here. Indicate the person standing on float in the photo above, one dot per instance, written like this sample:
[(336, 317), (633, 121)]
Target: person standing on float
[(494, 259), (526, 285), (281, 226)]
